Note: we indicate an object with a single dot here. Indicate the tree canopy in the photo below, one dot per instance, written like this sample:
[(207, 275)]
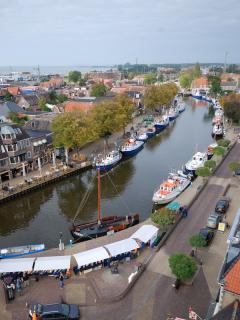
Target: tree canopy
[(231, 105), (163, 217), (215, 85), (197, 241), (223, 143), (203, 172), (9, 97), (98, 90), (150, 78), (74, 76), (233, 166), (185, 80), (182, 266), (210, 164), (219, 151)]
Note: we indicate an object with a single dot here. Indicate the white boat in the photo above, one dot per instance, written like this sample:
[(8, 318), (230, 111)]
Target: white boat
[(196, 162), (131, 147), (170, 188), (218, 130), (217, 119), (210, 150), (181, 107), (218, 112), (162, 123), (13, 252), (108, 161), (142, 136), (196, 94), (173, 114)]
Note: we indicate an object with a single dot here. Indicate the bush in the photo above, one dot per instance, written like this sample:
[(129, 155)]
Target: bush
[(219, 151), (210, 164), (163, 217), (234, 166), (203, 172), (182, 266), (223, 143), (197, 241)]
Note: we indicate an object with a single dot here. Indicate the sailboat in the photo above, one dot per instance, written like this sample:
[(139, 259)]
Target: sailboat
[(103, 225)]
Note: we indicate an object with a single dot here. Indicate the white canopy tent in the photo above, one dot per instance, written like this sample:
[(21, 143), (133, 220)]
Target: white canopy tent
[(122, 246), (16, 265), (90, 256), (52, 263), (145, 233)]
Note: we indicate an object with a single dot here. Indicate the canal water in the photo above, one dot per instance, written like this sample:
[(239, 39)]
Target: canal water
[(40, 216)]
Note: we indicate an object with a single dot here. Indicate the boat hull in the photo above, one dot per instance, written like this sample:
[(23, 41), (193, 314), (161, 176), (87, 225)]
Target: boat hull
[(171, 118), (151, 134), (20, 251), (197, 97), (161, 127), (132, 151), (157, 200), (107, 167)]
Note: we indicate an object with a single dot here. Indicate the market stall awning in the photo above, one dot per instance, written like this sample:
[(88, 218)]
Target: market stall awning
[(52, 263), (90, 256), (16, 265), (145, 233), (122, 246), (173, 205)]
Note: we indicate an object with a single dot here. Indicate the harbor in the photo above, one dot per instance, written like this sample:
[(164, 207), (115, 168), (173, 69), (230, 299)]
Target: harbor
[(53, 208)]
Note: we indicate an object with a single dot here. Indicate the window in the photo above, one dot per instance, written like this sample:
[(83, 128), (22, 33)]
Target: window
[(28, 142), (2, 149), (2, 163), (29, 154)]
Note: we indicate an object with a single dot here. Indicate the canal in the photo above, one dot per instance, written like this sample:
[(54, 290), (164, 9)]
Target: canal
[(40, 216)]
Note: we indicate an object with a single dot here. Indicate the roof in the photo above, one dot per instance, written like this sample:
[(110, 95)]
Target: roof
[(52, 263), (10, 106), (232, 278), (200, 82), (122, 246), (77, 106), (13, 90), (16, 265), (7, 128), (145, 233), (91, 256)]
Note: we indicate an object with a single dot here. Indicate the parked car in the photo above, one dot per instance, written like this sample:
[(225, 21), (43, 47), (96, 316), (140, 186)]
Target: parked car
[(57, 311), (213, 220), (237, 173), (222, 205), (207, 234)]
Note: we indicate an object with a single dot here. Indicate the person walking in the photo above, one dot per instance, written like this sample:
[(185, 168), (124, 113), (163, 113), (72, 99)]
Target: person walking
[(19, 286), (61, 280)]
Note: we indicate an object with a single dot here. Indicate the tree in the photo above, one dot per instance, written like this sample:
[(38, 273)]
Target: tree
[(203, 172), (16, 118), (98, 90), (197, 70), (8, 97), (124, 110), (219, 151), (231, 105), (150, 78), (210, 164), (42, 103), (182, 266), (74, 76), (197, 241), (185, 80), (223, 143), (62, 98), (233, 166), (52, 97), (82, 82), (215, 85), (163, 217)]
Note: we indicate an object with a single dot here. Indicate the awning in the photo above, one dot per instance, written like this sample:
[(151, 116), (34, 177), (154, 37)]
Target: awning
[(16, 265), (173, 205), (91, 256), (122, 246), (145, 233), (52, 263)]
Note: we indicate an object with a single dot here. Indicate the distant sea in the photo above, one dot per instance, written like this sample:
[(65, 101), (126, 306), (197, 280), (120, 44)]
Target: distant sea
[(52, 69)]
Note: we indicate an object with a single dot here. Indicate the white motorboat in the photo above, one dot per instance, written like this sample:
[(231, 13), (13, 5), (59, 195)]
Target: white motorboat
[(131, 147), (196, 94), (170, 188), (181, 107), (173, 113), (196, 162), (108, 161), (217, 131), (162, 123), (142, 136)]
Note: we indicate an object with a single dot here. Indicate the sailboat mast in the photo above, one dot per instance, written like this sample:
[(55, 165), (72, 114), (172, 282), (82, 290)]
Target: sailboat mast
[(99, 198)]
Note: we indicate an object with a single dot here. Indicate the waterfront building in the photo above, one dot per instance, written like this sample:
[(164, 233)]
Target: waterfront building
[(200, 83)]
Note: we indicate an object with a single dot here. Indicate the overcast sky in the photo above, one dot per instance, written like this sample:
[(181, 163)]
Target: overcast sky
[(87, 32)]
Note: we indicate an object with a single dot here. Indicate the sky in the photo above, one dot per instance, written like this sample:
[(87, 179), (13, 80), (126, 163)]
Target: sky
[(106, 32)]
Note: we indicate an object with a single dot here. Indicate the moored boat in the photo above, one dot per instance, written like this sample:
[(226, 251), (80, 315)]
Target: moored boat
[(142, 136), (218, 131), (162, 123), (151, 131), (210, 150), (102, 225), (181, 107), (173, 114), (108, 161), (12, 252), (196, 162), (196, 94), (131, 147), (170, 188)]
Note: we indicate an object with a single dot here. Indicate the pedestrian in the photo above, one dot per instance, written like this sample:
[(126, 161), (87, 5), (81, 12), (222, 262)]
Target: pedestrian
[(61, 280), (25, 280), (19, 286)]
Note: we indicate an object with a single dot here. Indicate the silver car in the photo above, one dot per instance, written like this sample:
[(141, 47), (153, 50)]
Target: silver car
[(213, 220)]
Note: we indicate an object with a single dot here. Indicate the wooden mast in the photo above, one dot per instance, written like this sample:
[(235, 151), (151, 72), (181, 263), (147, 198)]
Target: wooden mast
[(99, 198)]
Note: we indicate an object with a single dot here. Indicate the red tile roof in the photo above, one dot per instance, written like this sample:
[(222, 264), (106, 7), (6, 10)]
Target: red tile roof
[(232, 278), (13, 90), (77, 106), (201, 82)]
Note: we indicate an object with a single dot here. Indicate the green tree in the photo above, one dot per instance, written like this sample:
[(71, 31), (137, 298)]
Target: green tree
[(150, 78), (203, 172), (74, 76), (124, 109), (15, 118), (42, 103), (8, 97), (62, 98), (161, 78), (233, 166), (210, 164), (185, 80), (82, 82), (163, 217), (98, 90), (231, 105), (215, 85), (197, 241), (52, 97), (219, 151), (182, 266), (197, 70), (223, 143)]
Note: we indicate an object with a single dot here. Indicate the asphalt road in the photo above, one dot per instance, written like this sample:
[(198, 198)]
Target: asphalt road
[(153, 297)]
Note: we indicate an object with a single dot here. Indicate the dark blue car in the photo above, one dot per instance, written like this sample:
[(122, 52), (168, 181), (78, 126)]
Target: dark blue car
[(57, 311)]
